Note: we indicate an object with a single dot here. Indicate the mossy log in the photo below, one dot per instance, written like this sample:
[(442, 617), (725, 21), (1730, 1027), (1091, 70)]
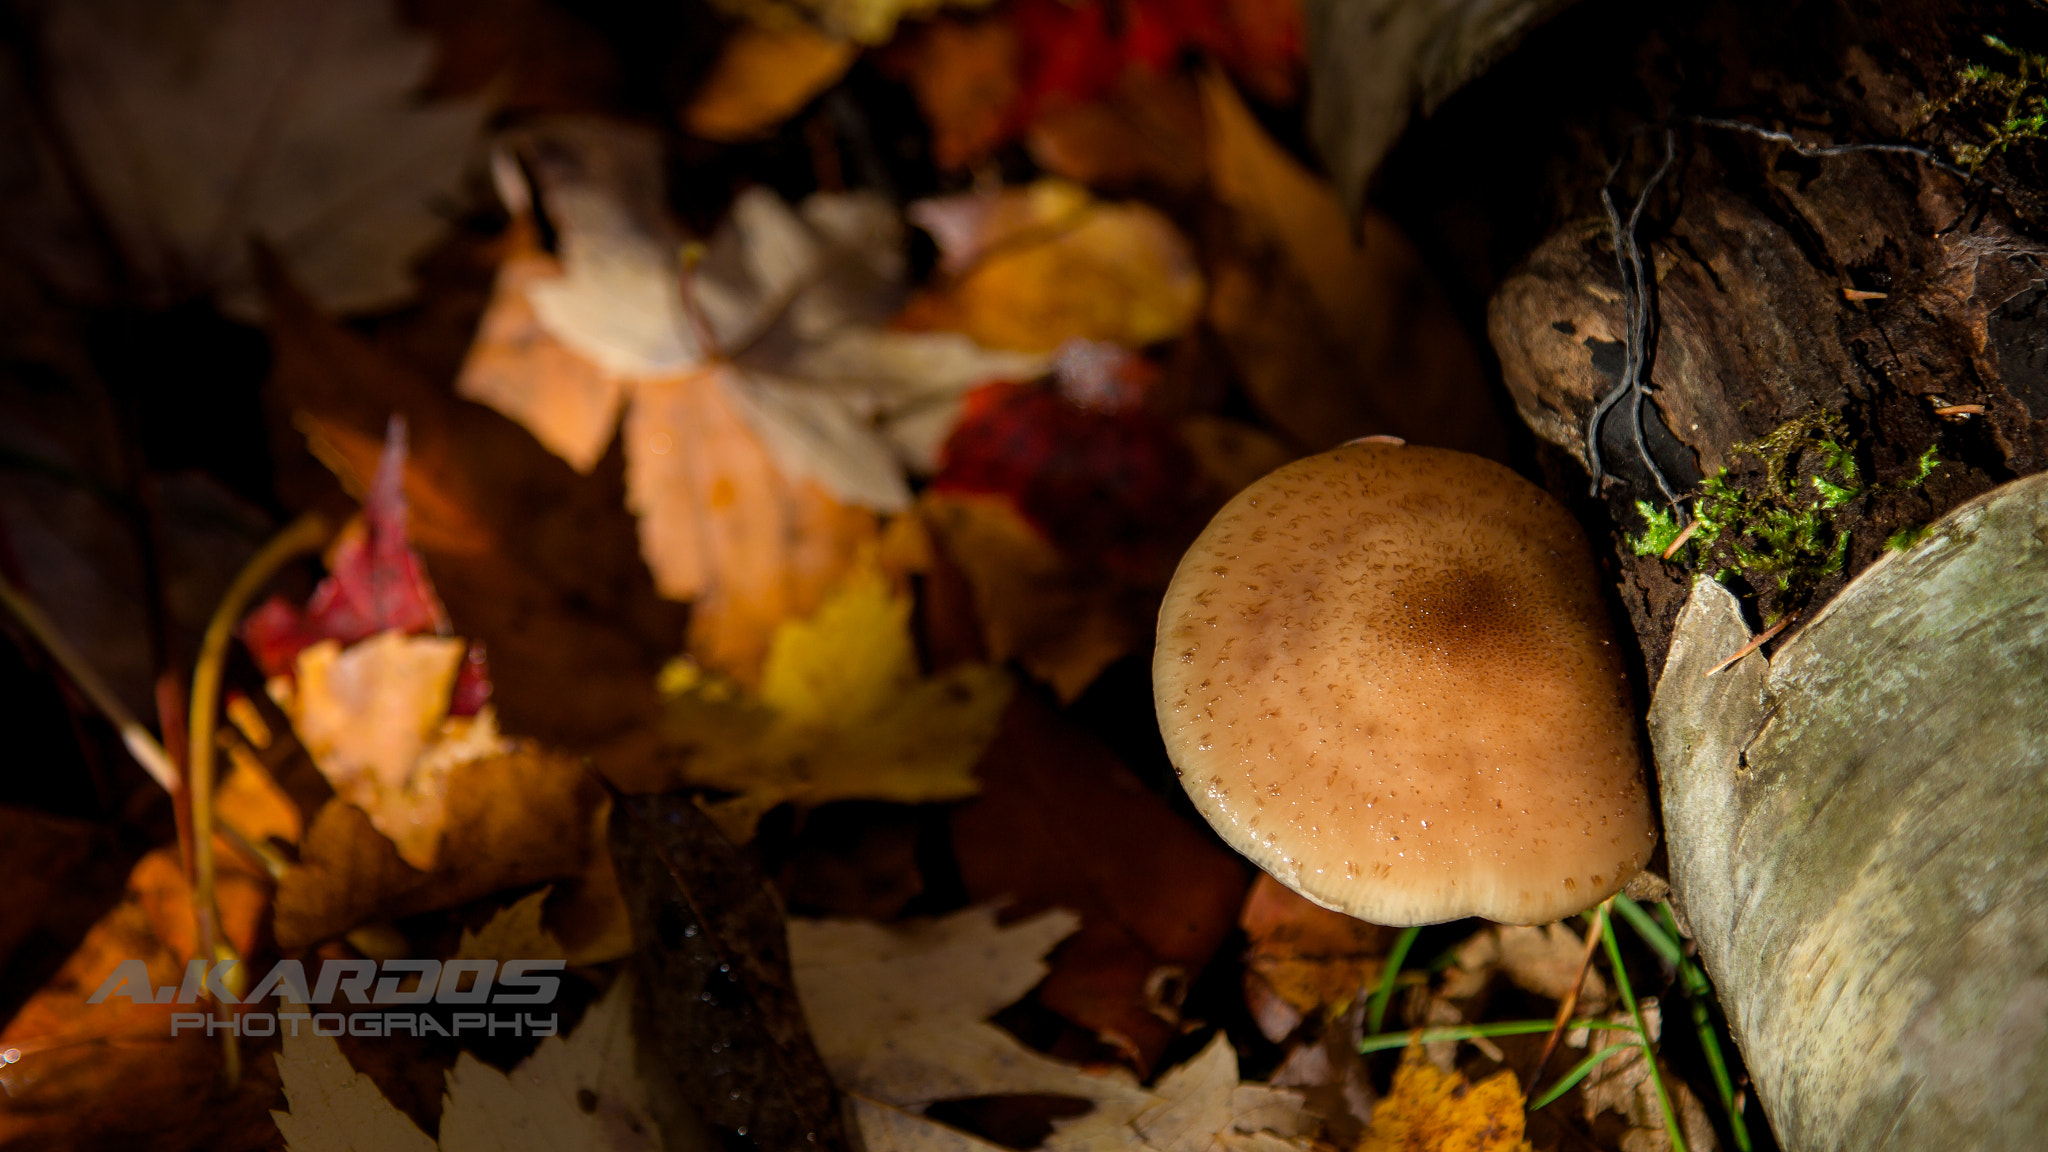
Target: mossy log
[(1858, 833)]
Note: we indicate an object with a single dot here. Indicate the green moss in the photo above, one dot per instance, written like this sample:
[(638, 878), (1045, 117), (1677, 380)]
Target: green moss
[(1906, 537), (1774, 517), (2009, 106), (1660, 529)]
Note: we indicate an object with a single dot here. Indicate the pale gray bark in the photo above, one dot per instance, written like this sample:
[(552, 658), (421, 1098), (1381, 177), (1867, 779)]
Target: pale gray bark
[(1858, 834)]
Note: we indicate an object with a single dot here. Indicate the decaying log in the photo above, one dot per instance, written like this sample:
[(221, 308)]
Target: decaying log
[(1858, 832)]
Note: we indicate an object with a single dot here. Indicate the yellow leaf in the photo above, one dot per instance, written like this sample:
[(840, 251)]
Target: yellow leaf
[(842, 715), (1434, 1111), (762, 77), (1050, 265), (846, 661)]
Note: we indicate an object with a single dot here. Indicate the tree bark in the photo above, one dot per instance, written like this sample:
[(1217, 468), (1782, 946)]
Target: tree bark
[(1870, 974)]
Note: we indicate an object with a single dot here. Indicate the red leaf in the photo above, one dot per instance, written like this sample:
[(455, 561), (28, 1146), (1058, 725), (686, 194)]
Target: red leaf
[(375, 583)]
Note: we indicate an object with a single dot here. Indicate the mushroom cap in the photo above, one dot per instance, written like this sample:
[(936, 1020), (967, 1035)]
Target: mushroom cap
[(1386, 676)]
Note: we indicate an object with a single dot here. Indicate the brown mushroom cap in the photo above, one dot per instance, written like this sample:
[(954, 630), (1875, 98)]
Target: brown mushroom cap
[(1386, 676)]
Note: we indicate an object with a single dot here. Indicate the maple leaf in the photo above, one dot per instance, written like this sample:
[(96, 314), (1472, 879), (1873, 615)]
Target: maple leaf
[(582, 1091), (767, 415), (900, 1013), (842, 714), (792, 299), (202, 125), (1435, 1111)]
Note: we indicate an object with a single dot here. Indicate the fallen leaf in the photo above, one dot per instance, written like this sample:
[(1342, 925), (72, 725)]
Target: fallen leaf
[(841, 714), (1063, 621), (768, 416), (206, 125), (762, 77), (1544, 960), (980, 84), (868, 22), (538, 563), (724, 1019), (1061, 267), (1200, 1106), (111, 1075), (900, 1011), (1087, 461), (1333, 338), (1621, 1084), (1434, 1111), (579, 1091), (374, 717), (1332, 1076), (513, 932), (519, 818), (1316, 960), (1062, 823), (1148, 130)]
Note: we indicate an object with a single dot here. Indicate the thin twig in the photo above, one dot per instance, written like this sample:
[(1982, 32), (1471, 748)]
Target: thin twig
[(1818, 150), (1570, 1003), (139, 741), (304, 535), (1762, 638)]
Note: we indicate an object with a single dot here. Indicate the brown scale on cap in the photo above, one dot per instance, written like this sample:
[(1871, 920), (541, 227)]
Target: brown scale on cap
[(1385, 675)]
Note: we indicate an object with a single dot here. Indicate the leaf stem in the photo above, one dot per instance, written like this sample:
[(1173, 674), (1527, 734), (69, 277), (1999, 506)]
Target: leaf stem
[(304, 535)]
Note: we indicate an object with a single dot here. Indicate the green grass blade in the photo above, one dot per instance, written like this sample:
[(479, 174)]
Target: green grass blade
[(1578, 1073), (1376, 1011), (1635, 1011), (1663, 943)]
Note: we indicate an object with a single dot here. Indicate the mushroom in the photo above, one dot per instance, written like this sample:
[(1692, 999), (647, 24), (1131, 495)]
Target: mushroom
[(1385, 675)]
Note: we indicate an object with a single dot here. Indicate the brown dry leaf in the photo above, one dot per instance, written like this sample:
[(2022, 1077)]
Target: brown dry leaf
[(842, 714), (111, 1075), (515, 819), (1062, 823), (1063, 623), (1621, 1083), (1333, 339), (1544, 960), (1046, 264), (513, 932), (1147, 131), (762, 77), (201, 127), (1434, 1111), (964, 74), (900, 1012), (248, 798), (722, 525), (1316, 960)]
